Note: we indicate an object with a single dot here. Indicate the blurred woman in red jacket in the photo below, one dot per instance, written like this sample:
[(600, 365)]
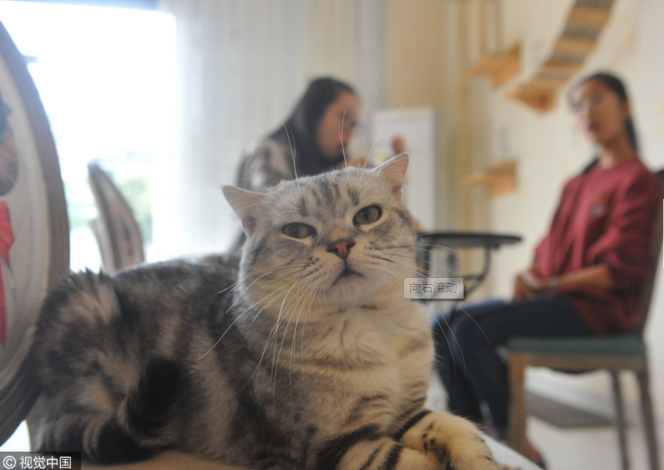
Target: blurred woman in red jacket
[(586, 274)]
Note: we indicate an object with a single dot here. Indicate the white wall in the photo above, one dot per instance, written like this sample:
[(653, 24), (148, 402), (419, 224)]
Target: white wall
[(241, 66), (549, 150)]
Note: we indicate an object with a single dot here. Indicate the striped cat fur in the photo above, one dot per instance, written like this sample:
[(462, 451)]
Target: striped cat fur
[(307, 356)]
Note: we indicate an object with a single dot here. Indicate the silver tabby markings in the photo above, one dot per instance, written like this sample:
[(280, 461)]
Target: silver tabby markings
[(306, 356)]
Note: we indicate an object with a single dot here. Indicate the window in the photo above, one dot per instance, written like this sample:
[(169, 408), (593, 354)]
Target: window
[(106, 77)]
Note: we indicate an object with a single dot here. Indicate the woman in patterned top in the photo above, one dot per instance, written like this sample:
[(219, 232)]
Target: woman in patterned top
[(586, 273), (310, 142)]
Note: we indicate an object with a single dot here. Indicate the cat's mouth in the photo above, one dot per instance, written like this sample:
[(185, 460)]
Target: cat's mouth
[(345, 274)]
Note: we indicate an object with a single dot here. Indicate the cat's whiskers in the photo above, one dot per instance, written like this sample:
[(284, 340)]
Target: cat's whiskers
[(308, 297), (240, 316), (275, 292), (419, 247), (246, 288), (317, 294), (423, 271), (291, 145), (300, 269), (238, 298), (387, 280), (397, 277), (299, 300), (378, 264), (380, 134), (409, 266), (471, 317), (449, 345), (462, 309), (341, 138), (269, 336), (397, 274), (292, 284), (275, 356), (384, 259), (274, 333), (240, 280)]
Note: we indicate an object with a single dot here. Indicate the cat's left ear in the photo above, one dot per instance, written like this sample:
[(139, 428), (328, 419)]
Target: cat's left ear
[(394, 172), (246, 204)]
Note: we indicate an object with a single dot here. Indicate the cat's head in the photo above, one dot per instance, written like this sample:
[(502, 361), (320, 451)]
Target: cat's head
[(327, 243)]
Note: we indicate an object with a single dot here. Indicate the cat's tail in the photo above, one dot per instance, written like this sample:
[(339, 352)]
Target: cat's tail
[(103, 399)]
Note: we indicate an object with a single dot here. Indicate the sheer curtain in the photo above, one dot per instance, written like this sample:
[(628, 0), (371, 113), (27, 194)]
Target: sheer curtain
[(241, 66)]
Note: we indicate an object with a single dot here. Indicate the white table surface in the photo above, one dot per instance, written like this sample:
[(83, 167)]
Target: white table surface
[(435, 402), (179, 461)]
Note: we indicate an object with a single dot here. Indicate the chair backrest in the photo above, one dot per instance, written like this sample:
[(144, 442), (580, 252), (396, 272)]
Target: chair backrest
[(117, 231), (653, 260)]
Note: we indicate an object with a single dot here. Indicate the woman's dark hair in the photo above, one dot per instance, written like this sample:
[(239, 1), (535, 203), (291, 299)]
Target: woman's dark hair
[(618, 87), (300, 130)]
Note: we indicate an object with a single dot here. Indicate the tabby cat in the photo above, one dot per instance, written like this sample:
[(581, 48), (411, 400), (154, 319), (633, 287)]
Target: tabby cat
[(307, 356)]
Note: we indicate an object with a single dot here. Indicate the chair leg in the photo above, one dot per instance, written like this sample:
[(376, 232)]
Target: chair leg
[(648, 419), (517, 425), (620, 418)]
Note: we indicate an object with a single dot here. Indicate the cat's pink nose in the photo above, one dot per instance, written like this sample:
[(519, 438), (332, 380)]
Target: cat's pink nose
[(341, 248)]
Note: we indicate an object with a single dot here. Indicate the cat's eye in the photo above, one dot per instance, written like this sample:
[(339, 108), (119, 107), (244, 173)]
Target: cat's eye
[(368, 215), (298, 230)]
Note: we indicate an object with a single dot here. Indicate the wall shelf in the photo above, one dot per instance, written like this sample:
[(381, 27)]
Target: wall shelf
[(500, 66), (540, 99), (562, 66), (574, 46), (500, 179), (588, 17), (577, 40)]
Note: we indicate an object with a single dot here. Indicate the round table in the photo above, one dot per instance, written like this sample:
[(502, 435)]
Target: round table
[(429, 241)]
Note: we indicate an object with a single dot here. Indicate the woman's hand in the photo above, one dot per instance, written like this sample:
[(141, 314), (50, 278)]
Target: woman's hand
[(535, 282), (521, 289), (530, 283), (398, 145)]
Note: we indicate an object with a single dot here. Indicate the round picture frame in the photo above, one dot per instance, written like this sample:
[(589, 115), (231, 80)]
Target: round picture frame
[(34, 230)]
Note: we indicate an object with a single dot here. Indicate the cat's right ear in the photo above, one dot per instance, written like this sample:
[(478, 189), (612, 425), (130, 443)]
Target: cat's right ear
[(394, 172), (246, 204)]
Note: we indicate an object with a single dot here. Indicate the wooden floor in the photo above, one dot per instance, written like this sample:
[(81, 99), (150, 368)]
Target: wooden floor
[(562, 415), (588, 449), (573, 448)]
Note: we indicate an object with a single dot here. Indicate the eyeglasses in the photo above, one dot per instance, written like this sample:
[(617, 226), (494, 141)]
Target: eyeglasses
[(592, 101), (347, 124)]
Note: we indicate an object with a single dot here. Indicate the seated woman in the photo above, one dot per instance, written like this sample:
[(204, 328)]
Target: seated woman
[(311, 141), (586, 274)]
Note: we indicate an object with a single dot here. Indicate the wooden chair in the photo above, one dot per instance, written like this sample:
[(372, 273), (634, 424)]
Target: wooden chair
[(116, 229), (614, 354)]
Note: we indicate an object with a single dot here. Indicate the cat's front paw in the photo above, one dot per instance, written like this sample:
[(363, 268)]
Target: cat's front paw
[(453, 441)]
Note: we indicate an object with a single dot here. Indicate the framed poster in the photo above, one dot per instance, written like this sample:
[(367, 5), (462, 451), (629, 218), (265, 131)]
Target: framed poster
[(34, 230)]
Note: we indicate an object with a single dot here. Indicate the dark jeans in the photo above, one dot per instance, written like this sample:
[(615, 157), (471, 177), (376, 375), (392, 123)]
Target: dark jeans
[(467, 359)]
